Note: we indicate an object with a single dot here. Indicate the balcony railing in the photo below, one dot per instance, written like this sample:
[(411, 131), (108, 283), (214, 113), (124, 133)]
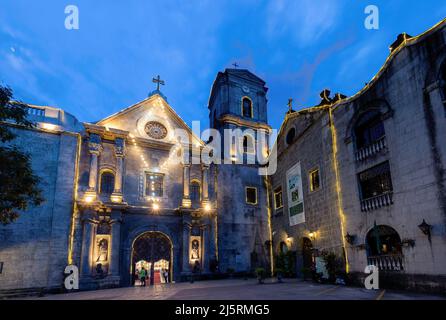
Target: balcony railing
[(371, 149), (383, 200), (388, 262)]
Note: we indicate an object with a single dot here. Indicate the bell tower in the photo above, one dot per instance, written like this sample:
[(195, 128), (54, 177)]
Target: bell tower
[(238, 101)]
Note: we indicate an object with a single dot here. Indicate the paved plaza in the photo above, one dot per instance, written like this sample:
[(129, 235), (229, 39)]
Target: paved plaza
[(242, 290)]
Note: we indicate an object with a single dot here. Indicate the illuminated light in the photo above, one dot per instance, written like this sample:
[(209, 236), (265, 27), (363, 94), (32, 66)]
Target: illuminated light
[(116, 198), (89, 198), (338, 187), (186, 203), (76, 185), (312, 235), (49, 126), (207, 207), (155, 206), (289, 239), (270, 229)]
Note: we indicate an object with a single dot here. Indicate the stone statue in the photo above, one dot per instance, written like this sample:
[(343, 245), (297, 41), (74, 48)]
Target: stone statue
[(195, 250), (102, 250)]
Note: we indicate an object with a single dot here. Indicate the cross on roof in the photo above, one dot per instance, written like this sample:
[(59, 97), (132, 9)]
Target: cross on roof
[(158, 81), (290, 104), (235, 65)]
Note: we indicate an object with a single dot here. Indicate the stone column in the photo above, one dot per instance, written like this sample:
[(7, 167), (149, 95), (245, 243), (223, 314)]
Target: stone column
[(89, 230), (186, 181), (186, 239), (205, 185), (212, 234), (95, 148), (205, 230), (115, 242), (119, 153)]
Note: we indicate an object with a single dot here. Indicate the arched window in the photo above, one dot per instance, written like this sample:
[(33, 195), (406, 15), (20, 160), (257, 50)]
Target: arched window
[(195, 191), (107, 183), (248, 144), (384, 250), (382, 240), (369, 130), (290, 136), (247, 107)]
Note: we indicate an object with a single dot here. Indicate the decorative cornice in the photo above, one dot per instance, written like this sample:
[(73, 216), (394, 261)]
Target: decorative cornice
[(229, 118), (105, 132)]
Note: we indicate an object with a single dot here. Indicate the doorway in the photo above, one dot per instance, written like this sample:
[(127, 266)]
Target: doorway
[(152, 255)]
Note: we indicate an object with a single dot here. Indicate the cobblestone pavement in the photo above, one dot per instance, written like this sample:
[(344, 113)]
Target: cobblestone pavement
[(242, 290)]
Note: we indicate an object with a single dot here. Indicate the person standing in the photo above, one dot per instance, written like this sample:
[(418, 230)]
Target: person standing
[(166, 276), (142, 277)]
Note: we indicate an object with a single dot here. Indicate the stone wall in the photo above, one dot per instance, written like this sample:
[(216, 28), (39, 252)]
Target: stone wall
[(34, 248)]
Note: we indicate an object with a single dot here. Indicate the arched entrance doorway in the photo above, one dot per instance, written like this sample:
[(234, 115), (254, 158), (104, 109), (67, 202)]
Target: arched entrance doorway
[(152, 251), (307, 253), (384, 250)]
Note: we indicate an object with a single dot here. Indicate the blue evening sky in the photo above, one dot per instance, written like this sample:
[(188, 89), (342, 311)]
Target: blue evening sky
[(298, 47)]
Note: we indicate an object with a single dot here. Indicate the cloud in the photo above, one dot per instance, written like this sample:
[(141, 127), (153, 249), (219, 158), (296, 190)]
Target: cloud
[(305, 20), (302, 79)]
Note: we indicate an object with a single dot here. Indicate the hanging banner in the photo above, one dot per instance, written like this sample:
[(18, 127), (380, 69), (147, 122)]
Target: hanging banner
[(295, 195)]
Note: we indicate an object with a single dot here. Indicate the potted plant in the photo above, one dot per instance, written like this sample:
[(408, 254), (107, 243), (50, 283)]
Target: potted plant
[(279, 274), (260, 273), (333, 264)]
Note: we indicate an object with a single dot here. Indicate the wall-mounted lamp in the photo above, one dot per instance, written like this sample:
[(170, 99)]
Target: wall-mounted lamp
[(289, 239), (426, 228), (350, 238), (312, 235)]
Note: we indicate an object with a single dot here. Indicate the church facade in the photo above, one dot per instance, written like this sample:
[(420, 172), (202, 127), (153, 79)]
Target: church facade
[(117, 201)]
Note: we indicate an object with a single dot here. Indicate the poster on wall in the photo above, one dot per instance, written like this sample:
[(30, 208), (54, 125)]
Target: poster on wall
[(295, 195)]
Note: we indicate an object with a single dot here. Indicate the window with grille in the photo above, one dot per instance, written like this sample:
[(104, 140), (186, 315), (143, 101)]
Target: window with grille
[(369, 129), (107, 183), (154, 184), (375, 181), (195, 191)]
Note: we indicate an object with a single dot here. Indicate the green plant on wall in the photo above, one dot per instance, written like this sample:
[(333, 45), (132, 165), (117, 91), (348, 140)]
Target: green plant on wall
[(286, 262)]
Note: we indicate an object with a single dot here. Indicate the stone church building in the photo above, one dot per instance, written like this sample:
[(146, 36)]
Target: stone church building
[(116, 201), (362, 177)]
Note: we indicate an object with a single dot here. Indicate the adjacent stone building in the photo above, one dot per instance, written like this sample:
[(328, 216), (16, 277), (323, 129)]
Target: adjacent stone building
[(372, 172)]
